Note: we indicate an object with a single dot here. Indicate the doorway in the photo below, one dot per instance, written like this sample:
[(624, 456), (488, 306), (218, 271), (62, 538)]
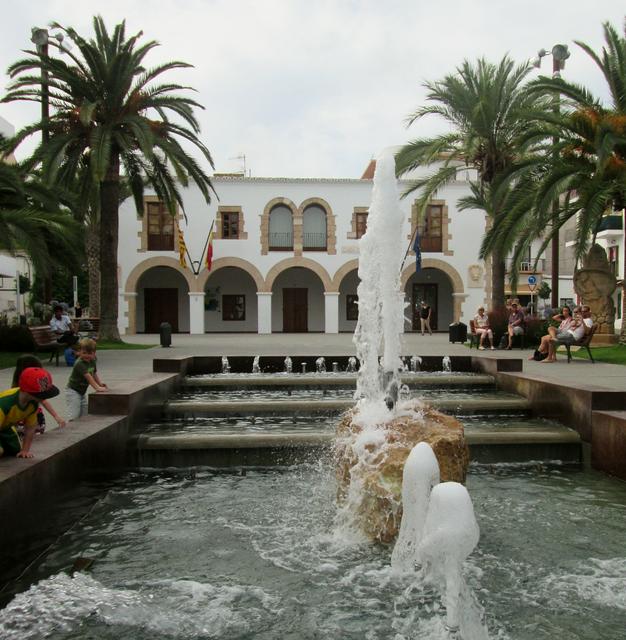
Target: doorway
[(295, 310), (160, 305), (426, 292)]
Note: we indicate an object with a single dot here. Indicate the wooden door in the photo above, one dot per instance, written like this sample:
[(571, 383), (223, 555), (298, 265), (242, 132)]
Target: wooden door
[(295, 310), (160, 305), (426, 292)]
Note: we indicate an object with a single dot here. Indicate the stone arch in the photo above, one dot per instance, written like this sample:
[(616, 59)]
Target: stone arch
[(265, 220), (331, 224), (433, 263), (299, 261), (343, 271), (458, 291), (159, 261), (239, 263)]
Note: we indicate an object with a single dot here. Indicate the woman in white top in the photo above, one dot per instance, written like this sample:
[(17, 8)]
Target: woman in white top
[(481, 322), (570, 334)]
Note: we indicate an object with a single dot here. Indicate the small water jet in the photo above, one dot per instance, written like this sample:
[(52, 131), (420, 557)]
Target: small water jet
[(446, 364), (225, 365), (416, 363), (320, 365), (288, 365), (256, 368), (351, 368)]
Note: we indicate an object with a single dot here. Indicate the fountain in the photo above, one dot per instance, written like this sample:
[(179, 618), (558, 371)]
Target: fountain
[(288, 365), (446, 364), (225, 365), (374, 438), (320, 365), (256, 368), (416, 363), (335, 367), (351, 365)]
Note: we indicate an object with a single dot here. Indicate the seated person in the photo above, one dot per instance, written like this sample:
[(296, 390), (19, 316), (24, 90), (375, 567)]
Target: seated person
[(481, 322), (62, 327), (516, 324), (565, 319), (585, 311), (575, 332)]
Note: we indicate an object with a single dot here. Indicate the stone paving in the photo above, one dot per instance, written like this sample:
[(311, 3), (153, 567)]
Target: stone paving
[(119, 367)]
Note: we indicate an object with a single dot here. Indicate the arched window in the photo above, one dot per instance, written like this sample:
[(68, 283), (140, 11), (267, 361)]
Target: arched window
[(280, 229), (314, 228)]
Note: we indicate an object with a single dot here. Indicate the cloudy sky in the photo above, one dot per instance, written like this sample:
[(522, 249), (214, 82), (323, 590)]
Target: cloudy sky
[(318, 88)]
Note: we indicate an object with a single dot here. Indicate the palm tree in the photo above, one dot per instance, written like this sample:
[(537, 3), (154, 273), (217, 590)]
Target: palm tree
[(32, 222), (585, 168), (114, 114), (482, 104)]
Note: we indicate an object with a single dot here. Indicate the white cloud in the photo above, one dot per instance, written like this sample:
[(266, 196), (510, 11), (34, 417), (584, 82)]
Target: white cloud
[(316, 89)]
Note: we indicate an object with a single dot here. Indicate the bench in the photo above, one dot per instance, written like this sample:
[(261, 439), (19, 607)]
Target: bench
[(95, 326), (474, 337), (585, 341), (46, 341)]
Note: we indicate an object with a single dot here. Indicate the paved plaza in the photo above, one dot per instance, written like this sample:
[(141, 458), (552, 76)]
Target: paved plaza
[(119, 367)]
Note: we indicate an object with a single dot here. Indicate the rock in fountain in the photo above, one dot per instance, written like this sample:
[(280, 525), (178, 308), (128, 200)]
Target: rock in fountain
[(375, 438)]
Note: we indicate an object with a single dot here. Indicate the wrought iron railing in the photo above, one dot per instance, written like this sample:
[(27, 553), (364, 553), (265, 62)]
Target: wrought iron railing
[(315, 241), (280, 241)]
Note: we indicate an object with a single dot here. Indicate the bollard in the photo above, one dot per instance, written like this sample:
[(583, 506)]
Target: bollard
[(303, 364), (335, 367), (165, 332)]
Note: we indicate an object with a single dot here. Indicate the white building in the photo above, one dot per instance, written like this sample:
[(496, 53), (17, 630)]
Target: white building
[(285, 258)]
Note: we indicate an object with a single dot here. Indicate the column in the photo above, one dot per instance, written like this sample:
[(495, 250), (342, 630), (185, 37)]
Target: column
[(131, 313), (264, 312), (331, 312), (457, 300), (196, 312)]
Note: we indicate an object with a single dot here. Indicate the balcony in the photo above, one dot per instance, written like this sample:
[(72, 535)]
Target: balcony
[(314, 241), (280, 241), (611, 223), (528, 266)]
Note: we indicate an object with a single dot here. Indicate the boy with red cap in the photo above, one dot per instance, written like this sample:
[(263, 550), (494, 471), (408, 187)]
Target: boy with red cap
[(20, 405)]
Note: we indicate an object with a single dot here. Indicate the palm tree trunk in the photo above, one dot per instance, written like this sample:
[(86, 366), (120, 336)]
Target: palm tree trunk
[(92, 249), (109, 233), (498, 273), (622, 333)]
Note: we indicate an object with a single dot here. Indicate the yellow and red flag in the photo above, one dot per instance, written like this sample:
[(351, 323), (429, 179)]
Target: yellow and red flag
[(182, 248), (209, 251)]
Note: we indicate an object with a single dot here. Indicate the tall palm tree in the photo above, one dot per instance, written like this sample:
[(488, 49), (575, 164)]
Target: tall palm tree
[(482, 104), (113, 113), (586, 168)]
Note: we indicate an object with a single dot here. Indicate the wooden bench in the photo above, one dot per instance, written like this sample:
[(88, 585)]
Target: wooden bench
[(46, 341), (474, 337), (585, 341)]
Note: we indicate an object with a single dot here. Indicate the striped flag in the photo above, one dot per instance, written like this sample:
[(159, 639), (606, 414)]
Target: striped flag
[(209, 251), (182, 248)]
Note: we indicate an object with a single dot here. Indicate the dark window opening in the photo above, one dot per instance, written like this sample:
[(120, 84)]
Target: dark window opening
[(233, 307), (352, 307)]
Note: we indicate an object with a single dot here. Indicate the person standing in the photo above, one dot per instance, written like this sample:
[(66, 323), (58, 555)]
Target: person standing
[(84, 375), (425, 315)]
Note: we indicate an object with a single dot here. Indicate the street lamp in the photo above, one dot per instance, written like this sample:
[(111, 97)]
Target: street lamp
[(560, 53)]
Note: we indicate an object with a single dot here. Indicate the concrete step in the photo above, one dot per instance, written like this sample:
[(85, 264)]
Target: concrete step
[(335, 406), (259, 381), (549, 443)]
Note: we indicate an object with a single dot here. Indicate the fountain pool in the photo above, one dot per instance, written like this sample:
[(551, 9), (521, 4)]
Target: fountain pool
[(257, 553)]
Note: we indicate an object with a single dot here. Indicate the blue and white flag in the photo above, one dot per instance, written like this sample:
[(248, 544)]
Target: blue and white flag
[(418, 252)]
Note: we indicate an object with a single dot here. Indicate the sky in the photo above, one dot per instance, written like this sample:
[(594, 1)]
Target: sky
[(317, 89)]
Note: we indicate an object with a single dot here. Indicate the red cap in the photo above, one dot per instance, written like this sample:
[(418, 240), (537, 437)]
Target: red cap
[(37, 382)]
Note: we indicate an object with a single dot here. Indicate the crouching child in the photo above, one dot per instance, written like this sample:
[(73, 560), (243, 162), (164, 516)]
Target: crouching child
[(84, 375), (19, 405)]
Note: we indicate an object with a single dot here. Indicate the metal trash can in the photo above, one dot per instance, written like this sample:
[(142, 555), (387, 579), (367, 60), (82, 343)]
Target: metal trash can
[(457, 332), (165, 331)]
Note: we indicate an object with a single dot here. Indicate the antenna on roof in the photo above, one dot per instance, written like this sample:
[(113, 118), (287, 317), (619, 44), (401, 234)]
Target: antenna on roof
[(242, 158)]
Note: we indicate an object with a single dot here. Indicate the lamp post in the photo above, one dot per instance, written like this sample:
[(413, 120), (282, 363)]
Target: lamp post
[(560, 53)]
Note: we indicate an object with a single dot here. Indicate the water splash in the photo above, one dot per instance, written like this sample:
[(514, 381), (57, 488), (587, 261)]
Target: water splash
[(256, 368), (416, 363), (225, 365), (446, 364), (320, 365), (288, 365), (351, 368)]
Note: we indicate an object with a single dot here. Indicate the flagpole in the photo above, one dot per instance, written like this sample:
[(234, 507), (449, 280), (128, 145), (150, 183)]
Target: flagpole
[(206, 244), (408, 248)]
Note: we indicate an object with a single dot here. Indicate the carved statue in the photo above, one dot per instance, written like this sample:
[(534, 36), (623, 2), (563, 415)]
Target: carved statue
[(594, 283)]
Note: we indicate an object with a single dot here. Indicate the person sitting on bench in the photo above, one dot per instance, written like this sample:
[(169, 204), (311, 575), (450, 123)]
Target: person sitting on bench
[(63, 327)]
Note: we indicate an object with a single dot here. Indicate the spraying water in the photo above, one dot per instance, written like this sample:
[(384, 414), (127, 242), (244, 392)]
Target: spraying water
[(225, 365), (256, 368), (320, 365), (351, 365), (446, 364), (381, 303), (288, 365), (416, 363)]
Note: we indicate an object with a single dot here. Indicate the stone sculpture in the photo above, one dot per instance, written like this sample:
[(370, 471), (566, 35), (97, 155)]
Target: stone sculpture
[(594, 283)]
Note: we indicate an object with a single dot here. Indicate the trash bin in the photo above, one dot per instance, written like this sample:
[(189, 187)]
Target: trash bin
[(165, 331), (457, 332)]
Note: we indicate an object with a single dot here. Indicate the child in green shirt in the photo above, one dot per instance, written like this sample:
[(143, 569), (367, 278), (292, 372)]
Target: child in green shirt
[(84, 374)]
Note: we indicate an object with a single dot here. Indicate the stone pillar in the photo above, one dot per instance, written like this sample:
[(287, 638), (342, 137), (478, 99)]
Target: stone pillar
[(457, 300), (331, 312), (131, 314), (264, 310), (196, 312)]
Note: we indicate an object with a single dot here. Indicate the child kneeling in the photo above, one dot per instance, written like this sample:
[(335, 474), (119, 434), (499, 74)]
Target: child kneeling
[(84, 374)]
